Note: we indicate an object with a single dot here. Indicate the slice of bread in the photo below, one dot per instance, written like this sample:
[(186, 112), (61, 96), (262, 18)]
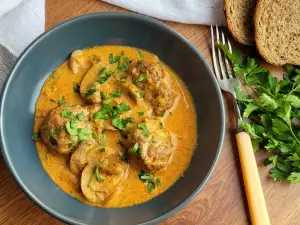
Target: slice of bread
[(239, 17), (277, 31)]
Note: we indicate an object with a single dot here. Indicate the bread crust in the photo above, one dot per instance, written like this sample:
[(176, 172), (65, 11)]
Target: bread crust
[(230, 26)]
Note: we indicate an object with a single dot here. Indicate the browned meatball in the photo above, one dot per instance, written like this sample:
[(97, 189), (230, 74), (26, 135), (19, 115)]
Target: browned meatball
[(155, 83), (64, 127), (155, 147)]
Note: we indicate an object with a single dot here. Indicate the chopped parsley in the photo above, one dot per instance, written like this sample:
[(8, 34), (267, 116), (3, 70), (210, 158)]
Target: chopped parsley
[(74, 130), (36, 136), (90, 92), (103, 95), (53, 141), (140, 113), (76, 88), (121, 123), (61, 101), (140, 78), (103, 79), (144, 127), (139, 56), (140, 94), (151, 181), (97, 173), (116, 93), (162, 113), (67, 114), (113, 59), (135, 149)]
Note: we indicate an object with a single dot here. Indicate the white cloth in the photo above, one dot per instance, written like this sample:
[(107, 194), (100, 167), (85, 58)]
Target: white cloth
[(183, 11), (21, 21)]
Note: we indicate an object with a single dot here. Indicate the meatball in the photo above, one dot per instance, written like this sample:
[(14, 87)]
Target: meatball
[(64, 127), (100, 178), (155, 83), (155, 145)]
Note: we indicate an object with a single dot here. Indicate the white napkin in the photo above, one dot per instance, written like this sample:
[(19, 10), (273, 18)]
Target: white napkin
[(21, 21), (183, 11)]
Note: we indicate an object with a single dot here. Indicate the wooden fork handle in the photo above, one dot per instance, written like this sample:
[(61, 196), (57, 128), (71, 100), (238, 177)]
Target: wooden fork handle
[(255, 196)]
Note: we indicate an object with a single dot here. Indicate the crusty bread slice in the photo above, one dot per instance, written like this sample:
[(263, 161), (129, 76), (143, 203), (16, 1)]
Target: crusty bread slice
[(277, 31), (239, 17)]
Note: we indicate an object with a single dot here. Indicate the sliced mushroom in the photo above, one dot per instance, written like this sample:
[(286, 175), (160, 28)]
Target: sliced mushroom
[(98, 184)]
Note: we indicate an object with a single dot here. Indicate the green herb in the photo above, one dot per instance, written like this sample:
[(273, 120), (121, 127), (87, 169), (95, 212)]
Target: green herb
[(121, 123), (116, 93), (76, 88), (36, 136), (103, 79), (80, 116), (102, 70), (140, 113), (144, 127), (97, 173), (67, 114), (140, 94), (118, 109), (53, 141), (150, 180), (56, 131), (139, 55), (94, 135), (103, 95), (271, 113), (61, 101), (101, 115), (113, 59), (162, 113), (90, 92), (123, 62), (102, 150), (135, 149), (140, 78), (73, 130), (113, 95)]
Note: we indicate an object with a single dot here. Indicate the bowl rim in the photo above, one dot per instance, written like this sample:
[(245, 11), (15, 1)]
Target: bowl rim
[(61, 25)]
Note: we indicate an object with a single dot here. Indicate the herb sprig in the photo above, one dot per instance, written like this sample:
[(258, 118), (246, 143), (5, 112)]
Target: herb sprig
[(272, 112)]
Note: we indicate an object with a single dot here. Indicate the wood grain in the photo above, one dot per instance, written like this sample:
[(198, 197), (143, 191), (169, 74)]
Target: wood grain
[(221, 202)]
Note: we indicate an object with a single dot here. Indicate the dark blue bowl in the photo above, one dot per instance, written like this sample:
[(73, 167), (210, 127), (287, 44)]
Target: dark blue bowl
[(46, 53)]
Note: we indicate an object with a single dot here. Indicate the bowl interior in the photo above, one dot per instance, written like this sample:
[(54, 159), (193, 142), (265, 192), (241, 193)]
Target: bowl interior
[(48, 52)]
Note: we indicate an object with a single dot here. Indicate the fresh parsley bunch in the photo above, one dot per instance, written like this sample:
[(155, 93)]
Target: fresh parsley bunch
[(273, 113)]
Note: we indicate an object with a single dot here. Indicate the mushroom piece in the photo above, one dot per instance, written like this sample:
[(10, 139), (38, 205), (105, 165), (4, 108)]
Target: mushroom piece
[(100, 178)]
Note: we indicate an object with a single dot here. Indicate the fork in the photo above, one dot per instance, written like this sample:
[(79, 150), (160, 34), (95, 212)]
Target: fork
[(228, 82)]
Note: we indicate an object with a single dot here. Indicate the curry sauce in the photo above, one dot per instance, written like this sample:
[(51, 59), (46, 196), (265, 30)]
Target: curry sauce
[(67, 86)]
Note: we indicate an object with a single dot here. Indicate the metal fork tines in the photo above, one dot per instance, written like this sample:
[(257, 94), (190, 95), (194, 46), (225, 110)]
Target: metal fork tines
[(226, 78)]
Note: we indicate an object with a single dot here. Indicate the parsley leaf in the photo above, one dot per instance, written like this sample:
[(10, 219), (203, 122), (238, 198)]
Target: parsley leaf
[(151, 181), (121, 123), (97, 173), (90, 92), (76, 88), (113, 59), (61, 101), (135, 149), (140, 78), (143, 126), (36, 136), (271, 111)]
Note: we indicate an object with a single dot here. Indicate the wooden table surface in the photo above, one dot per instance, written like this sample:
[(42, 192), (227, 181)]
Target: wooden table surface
[(222, 201)]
